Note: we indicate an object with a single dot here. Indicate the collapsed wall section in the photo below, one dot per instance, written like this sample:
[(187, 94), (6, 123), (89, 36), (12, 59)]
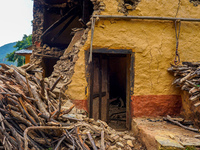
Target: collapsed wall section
[(60, 29), (65, 65), (37, 30)]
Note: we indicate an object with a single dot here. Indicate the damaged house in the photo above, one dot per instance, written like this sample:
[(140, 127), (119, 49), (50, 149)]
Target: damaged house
[(114, 65)]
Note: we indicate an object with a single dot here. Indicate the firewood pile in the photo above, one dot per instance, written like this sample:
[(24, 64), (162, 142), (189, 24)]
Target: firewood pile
[(27, 101), (188, 78)]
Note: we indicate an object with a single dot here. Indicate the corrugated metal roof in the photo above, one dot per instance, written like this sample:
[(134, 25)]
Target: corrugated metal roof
[(24, 51)]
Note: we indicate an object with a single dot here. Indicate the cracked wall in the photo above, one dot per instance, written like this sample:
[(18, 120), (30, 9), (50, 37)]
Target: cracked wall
[(154, 45)]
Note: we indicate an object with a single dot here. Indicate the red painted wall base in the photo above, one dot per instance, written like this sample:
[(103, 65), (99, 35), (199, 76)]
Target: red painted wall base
[(80, 104), (148, 105), (155, 105)]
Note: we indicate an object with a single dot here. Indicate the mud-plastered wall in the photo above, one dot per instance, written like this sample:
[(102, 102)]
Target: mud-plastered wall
[(154, 45)]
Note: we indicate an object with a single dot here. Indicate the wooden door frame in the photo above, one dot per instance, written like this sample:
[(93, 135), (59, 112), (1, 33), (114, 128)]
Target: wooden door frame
[(129, 80), (130, 88)]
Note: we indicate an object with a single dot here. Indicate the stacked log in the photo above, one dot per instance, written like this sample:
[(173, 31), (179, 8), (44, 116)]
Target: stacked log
[(188, 79), (32, 116)]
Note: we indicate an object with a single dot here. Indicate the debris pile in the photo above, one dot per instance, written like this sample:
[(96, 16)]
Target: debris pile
[(186, 124), (117, 113), (50, 51), (33, 117), (188, 78)]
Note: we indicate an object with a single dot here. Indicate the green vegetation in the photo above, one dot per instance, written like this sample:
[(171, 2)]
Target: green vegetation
[(25, 42), (190, 148), (5, 49)]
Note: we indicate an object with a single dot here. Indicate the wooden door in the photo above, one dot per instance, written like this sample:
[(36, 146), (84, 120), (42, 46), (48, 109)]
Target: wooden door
[(99, 92), (101, 87)]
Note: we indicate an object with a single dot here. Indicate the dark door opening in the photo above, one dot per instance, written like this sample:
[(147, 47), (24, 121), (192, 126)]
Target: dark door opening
[(109, 91), (47, 64), (117, 86)]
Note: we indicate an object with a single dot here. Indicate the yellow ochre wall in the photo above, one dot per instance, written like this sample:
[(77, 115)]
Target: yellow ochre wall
[(27, 58), (154, 45)]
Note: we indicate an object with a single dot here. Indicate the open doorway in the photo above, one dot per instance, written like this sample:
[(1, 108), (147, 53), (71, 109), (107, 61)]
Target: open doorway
[(109, 88), (47, 64), (117, 85)]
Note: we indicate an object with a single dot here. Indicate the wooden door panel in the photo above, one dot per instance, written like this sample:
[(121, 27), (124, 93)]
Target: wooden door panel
[(100, 88), (96, 89), (104, 102)]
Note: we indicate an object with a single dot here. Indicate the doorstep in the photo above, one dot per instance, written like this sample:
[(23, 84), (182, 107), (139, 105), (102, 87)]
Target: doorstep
[(157, 134)]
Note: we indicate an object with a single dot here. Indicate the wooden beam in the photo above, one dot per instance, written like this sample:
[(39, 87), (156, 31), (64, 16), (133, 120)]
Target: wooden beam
[(95, 95), (112, 51), (91, 65), (147, 18), (65, 26), (60, 21), (47, 56), (100, 84)]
